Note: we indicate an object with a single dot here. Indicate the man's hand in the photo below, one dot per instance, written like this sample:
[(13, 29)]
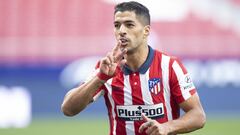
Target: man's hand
[(114, 58), (152, 127)]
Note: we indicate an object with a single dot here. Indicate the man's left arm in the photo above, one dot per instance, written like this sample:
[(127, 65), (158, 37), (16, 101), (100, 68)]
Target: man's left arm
[(185, 94), (193, 119)]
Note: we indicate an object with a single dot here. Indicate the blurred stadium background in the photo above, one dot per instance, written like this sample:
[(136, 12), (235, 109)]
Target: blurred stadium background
[(48, 46)]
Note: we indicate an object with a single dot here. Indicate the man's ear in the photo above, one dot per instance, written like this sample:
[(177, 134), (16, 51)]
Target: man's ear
[(146, 30)]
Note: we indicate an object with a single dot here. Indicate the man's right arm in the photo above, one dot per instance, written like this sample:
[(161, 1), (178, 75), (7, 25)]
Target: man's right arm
[(78, 98)]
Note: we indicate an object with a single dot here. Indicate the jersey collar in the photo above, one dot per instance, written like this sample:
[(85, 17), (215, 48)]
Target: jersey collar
[(143, 69)]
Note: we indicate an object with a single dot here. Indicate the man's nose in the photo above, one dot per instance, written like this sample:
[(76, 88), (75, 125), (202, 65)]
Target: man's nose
[(122, 30)]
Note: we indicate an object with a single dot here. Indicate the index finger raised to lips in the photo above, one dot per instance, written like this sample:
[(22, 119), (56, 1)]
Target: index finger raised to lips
[(116, 48)]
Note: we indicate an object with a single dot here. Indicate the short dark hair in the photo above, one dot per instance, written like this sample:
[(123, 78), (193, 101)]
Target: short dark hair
[(139, 9)]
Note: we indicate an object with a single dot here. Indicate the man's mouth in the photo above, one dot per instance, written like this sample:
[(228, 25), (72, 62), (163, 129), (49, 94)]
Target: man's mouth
[(124, 41)]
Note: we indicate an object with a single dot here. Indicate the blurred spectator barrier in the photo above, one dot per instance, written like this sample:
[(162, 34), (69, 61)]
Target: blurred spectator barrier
[(210, 73), (15, 107)]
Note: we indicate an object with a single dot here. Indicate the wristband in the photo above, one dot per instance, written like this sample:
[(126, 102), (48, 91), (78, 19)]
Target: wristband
[(103, 76)]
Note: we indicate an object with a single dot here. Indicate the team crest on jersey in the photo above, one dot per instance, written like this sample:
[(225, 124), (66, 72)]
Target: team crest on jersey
[(154, 85)]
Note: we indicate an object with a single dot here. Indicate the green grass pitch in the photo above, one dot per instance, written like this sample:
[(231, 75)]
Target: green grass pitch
[(100, 127)]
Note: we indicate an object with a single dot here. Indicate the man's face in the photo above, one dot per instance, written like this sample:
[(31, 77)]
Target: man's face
[(129, 30)]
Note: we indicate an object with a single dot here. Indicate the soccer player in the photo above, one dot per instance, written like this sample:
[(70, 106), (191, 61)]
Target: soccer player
[(144, 89)]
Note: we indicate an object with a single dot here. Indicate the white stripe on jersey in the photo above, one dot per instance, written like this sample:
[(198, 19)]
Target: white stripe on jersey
[(159, 87), (166, 88), (156, 89), (128, 101), (152, 90), (180, 76), (108, 86), (146, 95), (127, 91), (130, 129)]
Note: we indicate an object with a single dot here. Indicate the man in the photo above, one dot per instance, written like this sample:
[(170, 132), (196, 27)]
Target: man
[(143, 88)]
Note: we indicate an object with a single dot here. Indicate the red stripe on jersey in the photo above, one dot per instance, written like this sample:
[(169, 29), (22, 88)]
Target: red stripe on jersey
[(136, 95), (118, 97), (155, 72), (175, 88), (136, 89), (175, 107), (110, 115)]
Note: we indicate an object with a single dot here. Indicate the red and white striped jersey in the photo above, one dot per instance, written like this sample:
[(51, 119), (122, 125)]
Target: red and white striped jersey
[(156, 90)]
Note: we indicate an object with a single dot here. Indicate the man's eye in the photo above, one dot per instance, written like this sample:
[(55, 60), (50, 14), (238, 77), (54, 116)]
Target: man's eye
[(130, 25), (116, 25)]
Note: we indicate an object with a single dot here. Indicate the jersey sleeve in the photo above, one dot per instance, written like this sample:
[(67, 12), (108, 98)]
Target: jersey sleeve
[(101, 90), (181, 84)]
